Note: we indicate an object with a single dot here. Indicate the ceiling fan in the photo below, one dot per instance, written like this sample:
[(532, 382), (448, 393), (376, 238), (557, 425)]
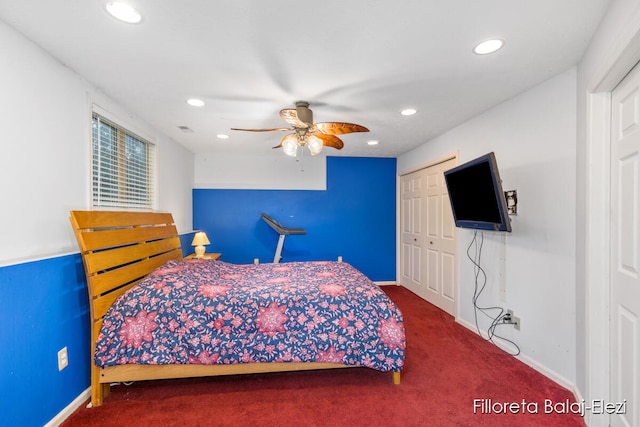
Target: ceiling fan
[(306, 133)]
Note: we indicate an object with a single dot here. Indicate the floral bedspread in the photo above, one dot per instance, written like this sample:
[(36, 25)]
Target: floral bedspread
[(213, 312)]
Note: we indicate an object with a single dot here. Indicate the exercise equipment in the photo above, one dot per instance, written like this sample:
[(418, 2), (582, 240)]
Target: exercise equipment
[(282, 232)]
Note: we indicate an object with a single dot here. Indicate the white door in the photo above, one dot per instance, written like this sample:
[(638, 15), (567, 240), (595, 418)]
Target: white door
[(441, 240), (625, 251), (428, 251), (412, 234)]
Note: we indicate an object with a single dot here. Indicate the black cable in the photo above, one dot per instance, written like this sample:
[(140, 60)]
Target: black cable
[(498, 320)]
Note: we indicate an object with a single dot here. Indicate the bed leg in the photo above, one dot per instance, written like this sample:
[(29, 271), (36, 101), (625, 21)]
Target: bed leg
[(395, 376), (98, 390)]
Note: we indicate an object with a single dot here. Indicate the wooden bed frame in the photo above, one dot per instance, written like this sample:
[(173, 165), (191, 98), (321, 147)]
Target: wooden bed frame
[(118, 250)]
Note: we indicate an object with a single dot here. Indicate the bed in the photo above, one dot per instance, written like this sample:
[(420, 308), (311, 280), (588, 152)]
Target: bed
[(155, 315)]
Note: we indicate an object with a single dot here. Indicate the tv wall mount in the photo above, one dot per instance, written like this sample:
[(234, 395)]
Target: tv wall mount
[(512, 201)]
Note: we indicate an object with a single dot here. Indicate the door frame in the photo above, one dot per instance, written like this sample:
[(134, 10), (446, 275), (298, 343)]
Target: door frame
[(454, 155), (624, 55)]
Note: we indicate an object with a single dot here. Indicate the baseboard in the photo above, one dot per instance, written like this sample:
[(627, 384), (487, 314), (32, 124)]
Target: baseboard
[(70, 409), (387, 283), (553, 376)]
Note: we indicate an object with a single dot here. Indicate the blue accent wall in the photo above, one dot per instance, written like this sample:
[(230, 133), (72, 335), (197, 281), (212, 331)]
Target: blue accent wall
[(354, 218), (185, 243), (43, 308)]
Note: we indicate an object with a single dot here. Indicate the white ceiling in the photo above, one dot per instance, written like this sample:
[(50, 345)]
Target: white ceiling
[(358, 61)]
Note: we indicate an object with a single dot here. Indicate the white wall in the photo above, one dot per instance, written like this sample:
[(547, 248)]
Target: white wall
[(272, 170), (45, 111), (533, 136)]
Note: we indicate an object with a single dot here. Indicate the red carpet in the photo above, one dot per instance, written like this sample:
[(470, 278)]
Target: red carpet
[(447, 367)]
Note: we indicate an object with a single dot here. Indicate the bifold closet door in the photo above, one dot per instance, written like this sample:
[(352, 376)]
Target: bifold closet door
[(429, 243)]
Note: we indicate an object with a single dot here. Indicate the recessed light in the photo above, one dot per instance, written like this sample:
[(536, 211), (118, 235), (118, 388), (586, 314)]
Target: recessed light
[(488, 46), (408, 112), (373, 142), (123, 12), (222, 136), (195, 102)]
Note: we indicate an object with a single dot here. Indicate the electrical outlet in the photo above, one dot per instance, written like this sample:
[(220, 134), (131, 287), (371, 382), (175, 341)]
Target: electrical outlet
[(515, 321), (63, 359)]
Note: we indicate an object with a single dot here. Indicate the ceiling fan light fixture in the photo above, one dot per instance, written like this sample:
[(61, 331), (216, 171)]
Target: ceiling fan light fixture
[(123, 12), (315, 144), (290, 145), (373, 142)]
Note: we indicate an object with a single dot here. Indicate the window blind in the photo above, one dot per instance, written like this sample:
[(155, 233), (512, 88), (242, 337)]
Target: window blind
[(123, 166)]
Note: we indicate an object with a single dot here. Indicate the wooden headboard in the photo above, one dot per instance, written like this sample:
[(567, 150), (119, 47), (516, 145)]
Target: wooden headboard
[(119, 249)]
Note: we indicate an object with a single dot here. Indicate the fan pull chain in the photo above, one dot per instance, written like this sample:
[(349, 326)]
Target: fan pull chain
[(301, 158)]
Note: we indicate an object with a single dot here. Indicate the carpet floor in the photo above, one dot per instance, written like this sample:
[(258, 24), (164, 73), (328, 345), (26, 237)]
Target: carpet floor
[(452, 377)]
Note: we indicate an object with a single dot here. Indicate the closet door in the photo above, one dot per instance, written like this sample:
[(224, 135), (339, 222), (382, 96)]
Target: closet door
[(429, 238), (412, 190), (441, 241)]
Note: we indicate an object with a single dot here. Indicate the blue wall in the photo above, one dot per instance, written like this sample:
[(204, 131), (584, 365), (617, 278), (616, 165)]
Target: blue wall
[(43, 308), (355, 218)]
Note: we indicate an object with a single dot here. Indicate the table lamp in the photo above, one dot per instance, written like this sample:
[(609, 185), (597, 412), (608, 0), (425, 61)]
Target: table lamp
[(199, 240)]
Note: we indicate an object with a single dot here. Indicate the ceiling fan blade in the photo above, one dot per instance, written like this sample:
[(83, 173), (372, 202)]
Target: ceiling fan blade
[(336, 128), (330, 140), (261, 130), (290, 115)]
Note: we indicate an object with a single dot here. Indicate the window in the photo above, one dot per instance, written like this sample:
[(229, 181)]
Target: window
[(122, 166)]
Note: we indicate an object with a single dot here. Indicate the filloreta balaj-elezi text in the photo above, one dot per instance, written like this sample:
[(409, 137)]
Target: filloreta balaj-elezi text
[(488, 406)]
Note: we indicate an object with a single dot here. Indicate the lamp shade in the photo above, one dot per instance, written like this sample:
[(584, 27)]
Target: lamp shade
[(315, 144), (290, 145), (200, 238)]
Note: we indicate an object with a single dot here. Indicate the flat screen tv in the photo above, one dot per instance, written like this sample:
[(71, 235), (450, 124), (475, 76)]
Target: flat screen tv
[(476, 195)]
